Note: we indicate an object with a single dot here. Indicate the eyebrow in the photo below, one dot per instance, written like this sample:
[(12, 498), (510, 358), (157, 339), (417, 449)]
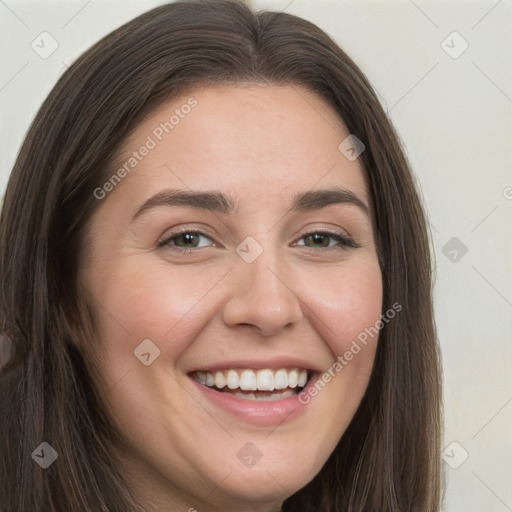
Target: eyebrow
[(220, 202)]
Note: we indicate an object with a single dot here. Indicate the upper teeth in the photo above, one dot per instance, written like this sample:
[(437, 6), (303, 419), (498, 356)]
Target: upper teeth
[(251, 380)]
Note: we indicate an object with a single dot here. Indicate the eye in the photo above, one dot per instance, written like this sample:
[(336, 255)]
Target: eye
[(322, 240), (185, 240)]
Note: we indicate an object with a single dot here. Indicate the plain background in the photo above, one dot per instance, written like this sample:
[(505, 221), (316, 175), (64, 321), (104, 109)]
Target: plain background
[(453, 111)]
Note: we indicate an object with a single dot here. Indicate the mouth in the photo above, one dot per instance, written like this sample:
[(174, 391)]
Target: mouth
[(265, 385)]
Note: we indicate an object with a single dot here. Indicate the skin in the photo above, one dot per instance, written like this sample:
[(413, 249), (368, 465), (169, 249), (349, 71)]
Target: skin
[(262, 145)]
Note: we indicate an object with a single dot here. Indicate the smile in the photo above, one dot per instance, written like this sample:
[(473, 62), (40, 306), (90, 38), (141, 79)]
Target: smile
[(262, 392), (248, 384)]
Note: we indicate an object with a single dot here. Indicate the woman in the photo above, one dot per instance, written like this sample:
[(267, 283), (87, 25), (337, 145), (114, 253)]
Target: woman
[(216, 281)]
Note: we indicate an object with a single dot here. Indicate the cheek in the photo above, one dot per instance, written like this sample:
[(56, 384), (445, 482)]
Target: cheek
[(152, 301), (346, 303), (147, 300), (346, 308)]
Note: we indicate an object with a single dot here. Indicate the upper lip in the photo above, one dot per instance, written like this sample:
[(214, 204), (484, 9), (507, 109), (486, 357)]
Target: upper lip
[(272, 363)]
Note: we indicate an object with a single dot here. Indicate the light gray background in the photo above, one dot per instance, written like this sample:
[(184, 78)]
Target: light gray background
[(454, 117)]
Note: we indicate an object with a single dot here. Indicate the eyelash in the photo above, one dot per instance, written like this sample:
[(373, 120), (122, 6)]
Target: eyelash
[(344, 241)]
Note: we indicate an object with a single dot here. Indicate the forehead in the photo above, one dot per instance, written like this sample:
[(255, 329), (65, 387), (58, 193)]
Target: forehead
[(254, 141)]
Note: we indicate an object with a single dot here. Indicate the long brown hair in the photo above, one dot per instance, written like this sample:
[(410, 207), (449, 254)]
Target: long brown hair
[(388, 459)]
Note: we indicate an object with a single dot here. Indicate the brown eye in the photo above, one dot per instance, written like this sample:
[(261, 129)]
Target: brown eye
[(187, 239), (319, 239), (322, 240)]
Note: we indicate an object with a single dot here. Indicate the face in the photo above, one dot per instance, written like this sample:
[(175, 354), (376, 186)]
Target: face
[(215, 311)]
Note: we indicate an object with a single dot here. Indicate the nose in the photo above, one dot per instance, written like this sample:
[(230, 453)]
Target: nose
[(263, 297)]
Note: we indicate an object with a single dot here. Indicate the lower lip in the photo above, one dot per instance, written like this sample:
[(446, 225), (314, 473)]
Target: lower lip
[(261, 413)]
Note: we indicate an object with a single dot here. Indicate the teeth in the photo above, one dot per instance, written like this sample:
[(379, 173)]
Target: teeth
[(220, 380), (246, 396), (265, 398), (293, 379), (265, 379), (232, 379), (248, 380), (281, 379), (252, 380)]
